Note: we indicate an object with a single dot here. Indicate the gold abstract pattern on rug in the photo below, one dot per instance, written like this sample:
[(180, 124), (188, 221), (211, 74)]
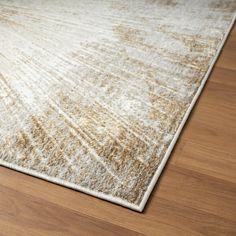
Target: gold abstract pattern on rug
[(92, 93)]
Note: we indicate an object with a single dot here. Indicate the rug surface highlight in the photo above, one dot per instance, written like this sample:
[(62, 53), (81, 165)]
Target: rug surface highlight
[(94, 94)]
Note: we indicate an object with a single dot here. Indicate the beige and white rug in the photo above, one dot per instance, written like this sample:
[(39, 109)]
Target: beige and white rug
[(94, 94)]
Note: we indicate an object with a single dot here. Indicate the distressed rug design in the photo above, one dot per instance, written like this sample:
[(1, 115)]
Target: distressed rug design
[(94, 94)]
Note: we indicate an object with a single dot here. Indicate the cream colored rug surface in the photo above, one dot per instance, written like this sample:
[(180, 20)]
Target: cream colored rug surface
[(94, 94)]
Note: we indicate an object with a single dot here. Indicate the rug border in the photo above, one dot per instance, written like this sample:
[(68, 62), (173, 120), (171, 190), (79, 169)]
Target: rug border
[(192, 104), (155, 177)]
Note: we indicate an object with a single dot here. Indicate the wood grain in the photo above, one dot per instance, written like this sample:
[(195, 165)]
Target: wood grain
[(196, 194)]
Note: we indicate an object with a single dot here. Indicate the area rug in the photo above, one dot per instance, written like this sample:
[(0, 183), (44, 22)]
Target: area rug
[(94, 94)]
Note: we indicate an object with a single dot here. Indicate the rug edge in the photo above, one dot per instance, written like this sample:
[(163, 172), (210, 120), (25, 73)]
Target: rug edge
[(185, 118), (67, 184), (160, 168)]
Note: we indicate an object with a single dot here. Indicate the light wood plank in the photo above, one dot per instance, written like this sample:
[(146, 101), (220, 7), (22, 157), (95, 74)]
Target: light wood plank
[(32, 216)]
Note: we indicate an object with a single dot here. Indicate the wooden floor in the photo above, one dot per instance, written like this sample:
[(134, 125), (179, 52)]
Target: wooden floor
[(196, 194)]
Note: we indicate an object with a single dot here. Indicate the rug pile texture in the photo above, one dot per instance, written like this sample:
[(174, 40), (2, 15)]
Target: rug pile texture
[(94, 94)]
